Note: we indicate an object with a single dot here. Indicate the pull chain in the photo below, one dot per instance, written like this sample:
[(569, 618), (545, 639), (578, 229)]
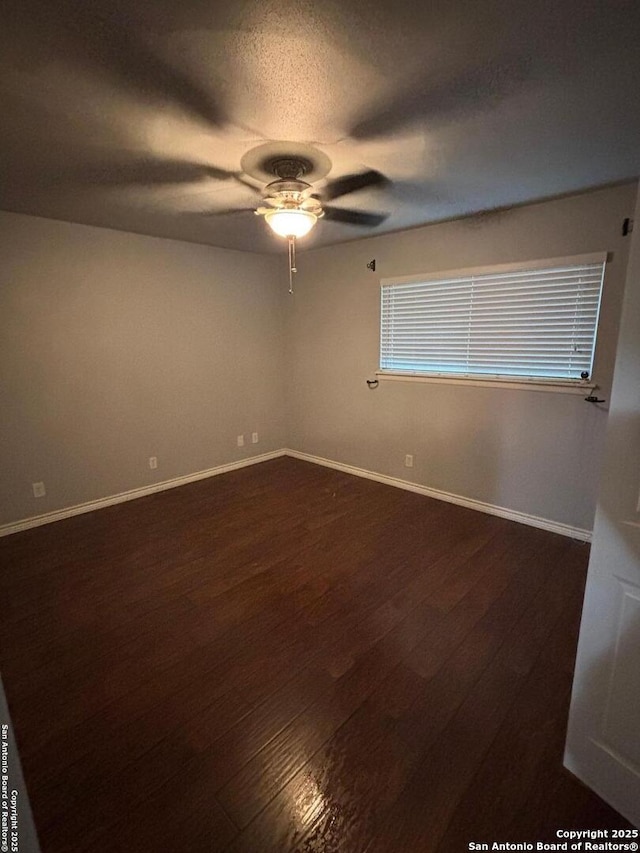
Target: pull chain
[(292, 261)]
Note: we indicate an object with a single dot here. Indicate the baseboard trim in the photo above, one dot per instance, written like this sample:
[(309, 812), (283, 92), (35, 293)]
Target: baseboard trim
[(469, 503), (132, 494)]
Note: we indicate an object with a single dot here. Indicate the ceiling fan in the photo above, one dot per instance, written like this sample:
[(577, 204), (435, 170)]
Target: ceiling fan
[(138, 60), (291, 205)]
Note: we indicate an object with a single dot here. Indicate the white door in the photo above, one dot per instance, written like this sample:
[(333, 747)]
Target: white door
[(603, 741)]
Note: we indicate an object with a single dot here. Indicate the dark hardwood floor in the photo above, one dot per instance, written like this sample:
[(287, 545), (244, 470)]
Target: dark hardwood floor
[(287, 658)]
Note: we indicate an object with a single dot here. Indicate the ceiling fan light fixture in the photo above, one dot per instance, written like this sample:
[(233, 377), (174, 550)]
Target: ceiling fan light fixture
[(292, 222)]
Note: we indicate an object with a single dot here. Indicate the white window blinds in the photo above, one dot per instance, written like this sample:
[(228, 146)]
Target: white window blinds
[(537, 322)]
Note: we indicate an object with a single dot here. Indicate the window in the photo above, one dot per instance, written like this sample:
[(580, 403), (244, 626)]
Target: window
[(534, 321)]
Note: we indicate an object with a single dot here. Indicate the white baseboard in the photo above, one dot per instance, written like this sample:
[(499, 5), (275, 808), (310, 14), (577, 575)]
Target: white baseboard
[(132, 494), (470, 503)]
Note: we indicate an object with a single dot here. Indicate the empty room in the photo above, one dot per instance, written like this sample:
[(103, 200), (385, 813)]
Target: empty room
[(319, 426)]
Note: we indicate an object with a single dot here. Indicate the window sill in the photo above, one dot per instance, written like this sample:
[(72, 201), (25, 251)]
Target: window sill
[(556, 386)]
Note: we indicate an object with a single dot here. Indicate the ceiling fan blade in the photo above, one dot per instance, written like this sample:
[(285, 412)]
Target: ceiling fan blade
[(227, 211), (237, 176), (353, 183), (468, 92), (354, 217), (103, 39), (137, 172), (146, 173)]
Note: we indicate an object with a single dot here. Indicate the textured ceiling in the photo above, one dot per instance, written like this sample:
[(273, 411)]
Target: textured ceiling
[(136, 115)]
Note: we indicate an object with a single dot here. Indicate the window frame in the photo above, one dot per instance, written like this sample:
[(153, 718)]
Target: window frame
[(533, 383)]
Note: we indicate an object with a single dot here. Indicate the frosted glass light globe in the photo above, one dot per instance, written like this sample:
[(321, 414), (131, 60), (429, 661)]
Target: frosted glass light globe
[(291, 223)]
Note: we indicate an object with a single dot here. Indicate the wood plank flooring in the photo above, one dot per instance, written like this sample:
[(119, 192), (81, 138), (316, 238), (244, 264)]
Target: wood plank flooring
[(286, 658)]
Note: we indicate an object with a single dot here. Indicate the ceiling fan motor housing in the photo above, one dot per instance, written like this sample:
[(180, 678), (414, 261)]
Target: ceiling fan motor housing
[(286, 186), (289, 191)]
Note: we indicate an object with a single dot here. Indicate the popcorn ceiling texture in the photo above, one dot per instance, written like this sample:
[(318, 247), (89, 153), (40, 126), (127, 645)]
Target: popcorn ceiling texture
[(114, 113)]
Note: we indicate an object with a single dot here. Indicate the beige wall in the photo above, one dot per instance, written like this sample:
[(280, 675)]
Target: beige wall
[(116, 347), (537, 453)]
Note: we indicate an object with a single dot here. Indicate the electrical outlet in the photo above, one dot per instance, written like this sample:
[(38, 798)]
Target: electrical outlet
[(39, 490), (254, 438), (240, 441), (153, 462), (408, 460)]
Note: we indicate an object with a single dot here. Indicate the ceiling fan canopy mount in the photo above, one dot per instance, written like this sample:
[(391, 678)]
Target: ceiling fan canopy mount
[(288, 168), (283, 159)]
